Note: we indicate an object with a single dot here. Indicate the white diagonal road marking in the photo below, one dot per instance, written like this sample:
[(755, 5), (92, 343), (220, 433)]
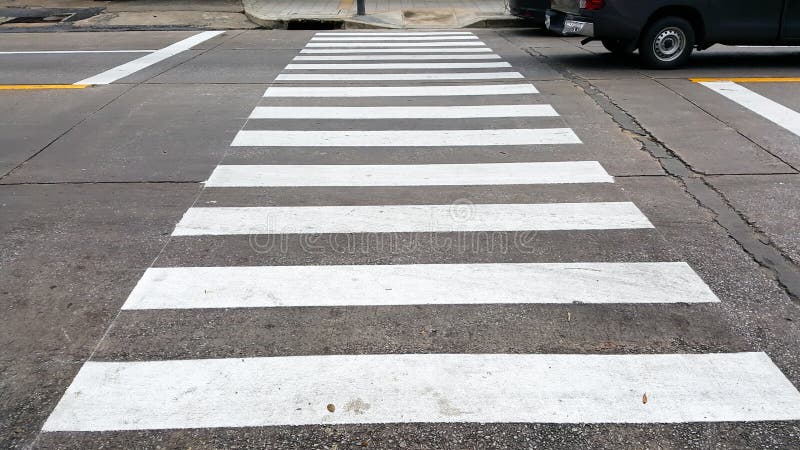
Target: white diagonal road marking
[(129, 68), (766, 108)]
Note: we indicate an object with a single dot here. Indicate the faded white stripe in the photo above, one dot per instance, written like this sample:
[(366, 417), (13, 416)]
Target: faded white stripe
[(401, 112), (404, 138), (766, 108), (395, 38), (482, 388), (393, 44), (400, 91), (395, 57), (410, 218), (395, 50), (398, 66), (409, 175), (434, 284), (129, 68), (411, 33), (398, 76)]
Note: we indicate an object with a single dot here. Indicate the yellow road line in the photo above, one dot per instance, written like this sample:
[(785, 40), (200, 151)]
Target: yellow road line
[(25, 87), (748, 80)]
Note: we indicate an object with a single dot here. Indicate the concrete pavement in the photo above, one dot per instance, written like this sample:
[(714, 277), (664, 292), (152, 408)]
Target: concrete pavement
[(151, 137)]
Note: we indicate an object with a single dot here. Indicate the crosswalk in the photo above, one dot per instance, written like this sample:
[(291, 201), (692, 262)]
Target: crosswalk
[(398, 116)]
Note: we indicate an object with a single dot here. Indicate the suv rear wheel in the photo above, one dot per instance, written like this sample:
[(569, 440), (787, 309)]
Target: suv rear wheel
[(667, 43)]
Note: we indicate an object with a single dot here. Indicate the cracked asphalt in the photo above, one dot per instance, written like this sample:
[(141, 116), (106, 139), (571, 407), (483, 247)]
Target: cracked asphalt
[(93, 182)]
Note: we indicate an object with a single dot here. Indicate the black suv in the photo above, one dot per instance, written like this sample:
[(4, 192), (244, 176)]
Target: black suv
[(529, 9), (666, 31)]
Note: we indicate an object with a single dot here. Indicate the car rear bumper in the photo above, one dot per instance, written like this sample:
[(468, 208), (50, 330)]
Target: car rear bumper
[(529, 13), (569, 24)]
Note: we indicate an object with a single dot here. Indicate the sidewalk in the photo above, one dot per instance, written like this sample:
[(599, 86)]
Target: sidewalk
[(380, 13), (56, 15)]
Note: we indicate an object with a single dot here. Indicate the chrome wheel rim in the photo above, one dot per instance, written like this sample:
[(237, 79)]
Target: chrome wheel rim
[(669, 44)]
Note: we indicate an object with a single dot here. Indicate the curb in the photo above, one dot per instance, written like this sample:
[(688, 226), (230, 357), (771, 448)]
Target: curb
[(392, 20)]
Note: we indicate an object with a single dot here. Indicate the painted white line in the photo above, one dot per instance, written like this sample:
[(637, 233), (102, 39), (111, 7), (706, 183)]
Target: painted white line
[(129, 68), (410, 218), (399, 91), (409, 388), (395, 57), (398, 66), (766, 108), (398, 76), (428, 284), (72, 52), (409, 175), (395, 50), (404, 138), (394, 44), (401, 112), (412, 33), (393, 38)]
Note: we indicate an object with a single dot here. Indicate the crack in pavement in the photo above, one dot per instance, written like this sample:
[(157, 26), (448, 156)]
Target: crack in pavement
[(749, 238)]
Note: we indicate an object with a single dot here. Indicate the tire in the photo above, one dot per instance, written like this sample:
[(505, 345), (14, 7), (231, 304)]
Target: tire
[(618, 46), (667, 43)]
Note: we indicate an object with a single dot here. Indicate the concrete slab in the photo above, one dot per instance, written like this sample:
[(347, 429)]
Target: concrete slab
[(706, 144), (776, 140), (151, 133), (229, 66), (787, 94), (58, 68), (24, 131), (69, 255), (753, 304), (111, 40)]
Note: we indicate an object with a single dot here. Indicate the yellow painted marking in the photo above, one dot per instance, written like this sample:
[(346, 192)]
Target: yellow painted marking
[(345, 5), (748, 80), (24, 87)]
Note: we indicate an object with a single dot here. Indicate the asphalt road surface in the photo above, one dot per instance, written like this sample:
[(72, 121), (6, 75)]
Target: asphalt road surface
[(460, 239)]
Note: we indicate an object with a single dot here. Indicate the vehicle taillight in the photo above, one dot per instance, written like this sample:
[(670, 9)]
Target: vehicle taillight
[(592, 4)]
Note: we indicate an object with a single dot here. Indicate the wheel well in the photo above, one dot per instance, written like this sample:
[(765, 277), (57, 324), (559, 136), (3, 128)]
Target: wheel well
[(687, 12)]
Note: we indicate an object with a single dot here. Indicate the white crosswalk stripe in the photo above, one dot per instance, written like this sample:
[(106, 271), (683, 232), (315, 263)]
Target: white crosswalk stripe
[(398, 76), (241, 392), (409, 174), (394, 44), (395, 33), (393, 38), (392, 66), (410, 218), (394, 50), (370, 57), (404, 138), (266, 192), (286, 286), (400, 91), (401, 112)]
